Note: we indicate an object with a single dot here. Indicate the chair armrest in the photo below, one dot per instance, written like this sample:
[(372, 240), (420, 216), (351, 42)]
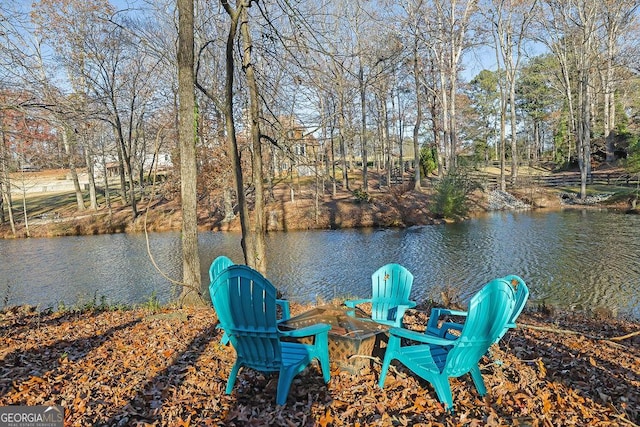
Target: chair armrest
[(420, 337), (352, 303), (401, 309), (316, 329), (286, 311), (432, 324), (438, 311)]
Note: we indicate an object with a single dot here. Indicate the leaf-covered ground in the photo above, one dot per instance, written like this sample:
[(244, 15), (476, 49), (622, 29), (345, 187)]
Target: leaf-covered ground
[(138, 367)]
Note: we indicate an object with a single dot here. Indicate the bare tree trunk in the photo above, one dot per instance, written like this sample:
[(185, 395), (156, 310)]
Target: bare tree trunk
[(418, 123), (445, 151), (400, 136), (453, 122), (121, 175), (363, 137), (93, 200), (386, 137), (514, 133), (72, 168), (7, 201), (5, 183), (25, 215), (107, 195), (587, 12), (334, 189), (503, 137), (191, 293), (343, 151), (259, 261), (247, 240), (503, 117)]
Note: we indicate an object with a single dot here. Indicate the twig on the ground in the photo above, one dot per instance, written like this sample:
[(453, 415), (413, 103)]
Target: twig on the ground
[(569, 332), (624, 337)]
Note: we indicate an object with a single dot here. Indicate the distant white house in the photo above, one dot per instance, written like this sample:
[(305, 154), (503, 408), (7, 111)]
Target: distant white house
[(162, 163)]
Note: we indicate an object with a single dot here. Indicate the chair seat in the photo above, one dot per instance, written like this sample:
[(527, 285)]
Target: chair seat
[(294, 354), (427, 356), (420, 357)]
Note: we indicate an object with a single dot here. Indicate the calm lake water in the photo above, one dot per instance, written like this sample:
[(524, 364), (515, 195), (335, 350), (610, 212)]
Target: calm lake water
[(575, 259)]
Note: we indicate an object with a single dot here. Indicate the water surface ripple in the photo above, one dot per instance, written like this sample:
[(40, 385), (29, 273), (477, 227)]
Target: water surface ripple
[(579, 259)]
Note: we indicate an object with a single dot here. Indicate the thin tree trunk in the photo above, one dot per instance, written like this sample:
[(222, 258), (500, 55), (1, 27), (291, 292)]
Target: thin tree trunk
[(446, 141), (259, 261), (5, 184), (400, 137), (246, 241), (72, 169), (93, 199), (453, 127), (343, 152), (334, 181), (514, 135), (386, 137), (191, 293), (107, 195), (121, 175), (609, 94), (363, 137), (24, 208), (418, 123)]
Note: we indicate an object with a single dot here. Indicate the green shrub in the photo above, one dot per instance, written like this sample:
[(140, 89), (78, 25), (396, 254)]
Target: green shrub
[(361, 196), (633, 156), (428, 160), (152, 303), (452, 194)]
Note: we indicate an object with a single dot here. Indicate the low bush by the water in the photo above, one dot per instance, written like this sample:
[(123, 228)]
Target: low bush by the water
[(452, 194)]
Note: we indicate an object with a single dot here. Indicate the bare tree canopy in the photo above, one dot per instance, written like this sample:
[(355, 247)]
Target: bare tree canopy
[(331, 90)]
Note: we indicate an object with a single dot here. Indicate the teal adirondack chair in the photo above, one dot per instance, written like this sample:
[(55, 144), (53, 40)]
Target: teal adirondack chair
[(445, 329), (438, 359), (245, 302), (218, 266), (391, 287)]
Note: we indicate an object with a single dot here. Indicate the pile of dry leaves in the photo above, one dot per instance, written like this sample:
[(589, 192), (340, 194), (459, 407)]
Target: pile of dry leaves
[(137, 367)]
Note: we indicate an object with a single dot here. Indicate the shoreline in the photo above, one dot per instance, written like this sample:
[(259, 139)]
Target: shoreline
[(385, 210)]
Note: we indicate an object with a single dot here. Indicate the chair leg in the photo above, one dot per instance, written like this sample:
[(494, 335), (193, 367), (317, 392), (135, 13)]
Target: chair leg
[(285, 378), (443, 390), (478, 381), (393, 345), (232, 377), (325, 367), (383, 371)]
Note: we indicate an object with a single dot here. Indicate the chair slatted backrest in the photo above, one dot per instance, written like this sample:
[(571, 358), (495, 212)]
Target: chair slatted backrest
[(391, 286), (489, 311), (245, 302), (217, 266), (522, 295)]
